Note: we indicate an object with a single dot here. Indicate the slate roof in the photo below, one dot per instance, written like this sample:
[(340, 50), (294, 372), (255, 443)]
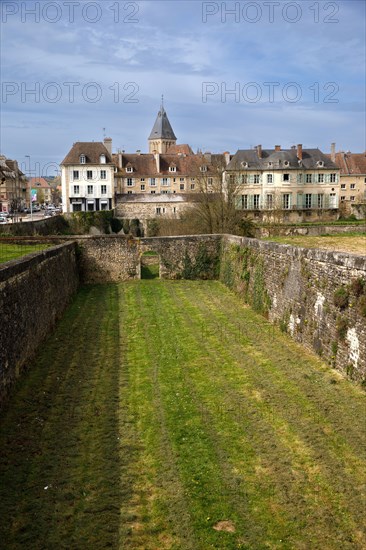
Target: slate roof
[(183, 149), (91, 149), (310, 157), (162, 128), (9, 169), (351, 164)]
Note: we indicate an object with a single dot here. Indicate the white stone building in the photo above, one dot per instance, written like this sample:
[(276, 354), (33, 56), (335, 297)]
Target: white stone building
[(87, 176)]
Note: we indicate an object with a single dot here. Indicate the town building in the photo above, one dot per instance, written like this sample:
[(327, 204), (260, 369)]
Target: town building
[(286, 181), (13, 186), (352, 167), (41, 189), (87, 177)]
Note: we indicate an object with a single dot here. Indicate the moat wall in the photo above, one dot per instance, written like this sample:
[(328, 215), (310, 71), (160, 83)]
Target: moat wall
[(317, 297), (34, 292)]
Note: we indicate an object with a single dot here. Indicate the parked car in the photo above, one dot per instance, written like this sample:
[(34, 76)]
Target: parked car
[(3, 220), (4, 214)]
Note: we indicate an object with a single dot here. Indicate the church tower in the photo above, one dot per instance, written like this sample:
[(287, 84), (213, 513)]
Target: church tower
[(162, 136)]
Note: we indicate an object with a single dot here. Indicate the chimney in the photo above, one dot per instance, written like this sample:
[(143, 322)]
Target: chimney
[(332, 152), (299, 151), (120, 159), (227, 157), (259, 151), (277, 147), (157, 160), (108, 145)]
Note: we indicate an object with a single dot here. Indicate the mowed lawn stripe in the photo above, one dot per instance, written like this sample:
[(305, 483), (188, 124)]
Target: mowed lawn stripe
[(62, 425), (294, 439)]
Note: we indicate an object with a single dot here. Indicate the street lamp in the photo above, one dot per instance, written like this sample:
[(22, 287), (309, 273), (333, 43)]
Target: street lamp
[(30, 188)]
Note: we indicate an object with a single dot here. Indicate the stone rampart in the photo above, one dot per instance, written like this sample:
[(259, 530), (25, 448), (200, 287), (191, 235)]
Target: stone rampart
[(34, 292)]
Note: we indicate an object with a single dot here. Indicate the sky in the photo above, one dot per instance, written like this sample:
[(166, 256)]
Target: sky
[(233, 75)]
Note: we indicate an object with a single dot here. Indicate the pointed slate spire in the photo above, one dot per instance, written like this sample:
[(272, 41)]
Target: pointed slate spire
[(162, 128)]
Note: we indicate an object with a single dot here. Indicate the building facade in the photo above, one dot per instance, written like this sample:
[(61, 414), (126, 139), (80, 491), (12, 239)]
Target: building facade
[(87, 177), (352, 167), (271, 180), (13, 186)]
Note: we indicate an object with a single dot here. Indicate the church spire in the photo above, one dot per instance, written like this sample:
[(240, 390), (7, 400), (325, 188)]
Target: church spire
[(162, 136)]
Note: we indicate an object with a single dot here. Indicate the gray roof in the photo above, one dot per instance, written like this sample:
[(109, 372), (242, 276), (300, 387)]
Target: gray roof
[(92, 151), (162, 128), (310, 158)]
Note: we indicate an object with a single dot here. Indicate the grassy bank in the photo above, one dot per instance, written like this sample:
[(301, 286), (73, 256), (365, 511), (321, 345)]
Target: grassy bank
[(13, 251), (354, 243), (165, 415)]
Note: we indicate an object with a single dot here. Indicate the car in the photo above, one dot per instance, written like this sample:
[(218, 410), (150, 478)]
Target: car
[(3, 220), (4, 214), (36, 209)]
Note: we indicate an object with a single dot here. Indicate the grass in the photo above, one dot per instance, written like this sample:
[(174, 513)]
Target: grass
[(150, 271), (13, 251), (158, 409), (347, 242)]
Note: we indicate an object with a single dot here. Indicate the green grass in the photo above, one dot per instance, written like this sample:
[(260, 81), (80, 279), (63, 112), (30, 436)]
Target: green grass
[(150, 271), (158, 409), (13, 251)]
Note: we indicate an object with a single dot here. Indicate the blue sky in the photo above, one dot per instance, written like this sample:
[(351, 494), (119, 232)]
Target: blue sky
[(296, 71)]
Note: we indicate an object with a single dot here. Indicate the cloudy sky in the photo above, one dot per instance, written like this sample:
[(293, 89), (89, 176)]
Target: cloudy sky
[(233, 74)]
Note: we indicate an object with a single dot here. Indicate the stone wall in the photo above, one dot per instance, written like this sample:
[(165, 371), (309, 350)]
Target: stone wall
[(316, 296), (46, 226), (311, 230), (34, 292), (118, 258)]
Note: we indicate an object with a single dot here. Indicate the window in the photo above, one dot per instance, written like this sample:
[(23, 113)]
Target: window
[(158, 210), (256, 201), (181, 180), (90, 207), (244, 179), (103, 175), (269, 201), (244, 202), (129, 169), (333, 178), (82, 159), (181, 187), (309, 178), (76, 189), (321, 201), (75, 174), (142, 187), (308, 200), (164, 192), (76, 207), (286, 201), (192, 179), (343, 186), (320, 178), (153, 192), (269, 178), (89, 174), (142, 179), (129, 182), (286, 177), (192, 186), (152, 182), (90, 189), (165, 181), (286, 163), (203, 168), (172, 168), (103, 189), (104, 206), (343, 198), (352, 198), (352, 186), (299, 178), (210, 181), (102, 159), (129, 192), (256, 179)]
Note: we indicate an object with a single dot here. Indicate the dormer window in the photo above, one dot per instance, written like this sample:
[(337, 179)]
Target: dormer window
[(129, 168), (172, 168), (286, 163), (245, 164), (203, 168), (270, 164), (320, 163), (102, 159), (82, 159)]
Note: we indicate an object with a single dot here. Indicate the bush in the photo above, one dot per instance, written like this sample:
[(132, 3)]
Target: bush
[(358, 286), (342, 327), (341, 297)]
